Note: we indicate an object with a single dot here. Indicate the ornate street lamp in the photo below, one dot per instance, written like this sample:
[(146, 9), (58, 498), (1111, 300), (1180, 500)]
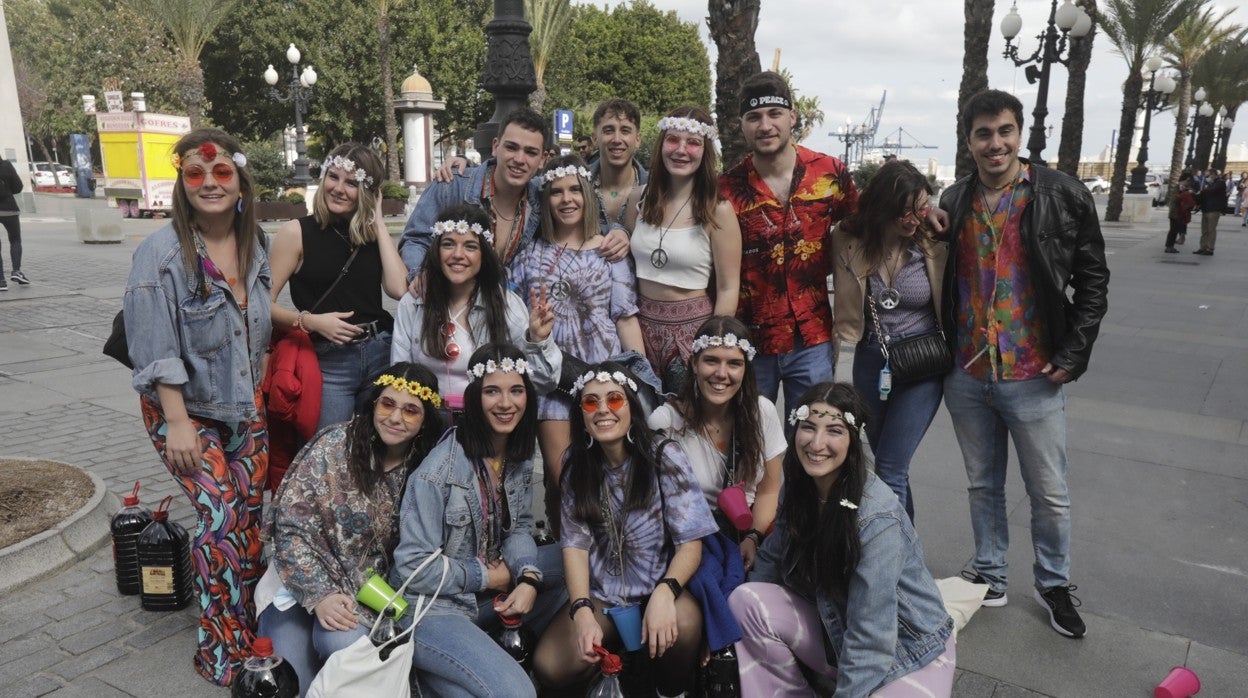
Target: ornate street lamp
[(851, 136), (1221, 139), (299, 92), (1199, 95), (508, 74), (1073, 22), (1156, 98)]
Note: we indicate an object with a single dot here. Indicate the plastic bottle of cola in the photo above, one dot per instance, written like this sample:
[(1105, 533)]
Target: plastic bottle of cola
[(164, 551), (127, 526), (265, 674), (607, 684)]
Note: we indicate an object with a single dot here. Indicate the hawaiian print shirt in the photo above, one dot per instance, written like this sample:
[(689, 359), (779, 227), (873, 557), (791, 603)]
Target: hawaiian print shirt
[(786, 256), (1001, 335)]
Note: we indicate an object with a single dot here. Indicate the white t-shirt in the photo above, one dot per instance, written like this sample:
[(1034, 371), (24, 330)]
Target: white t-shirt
[(709, 465)]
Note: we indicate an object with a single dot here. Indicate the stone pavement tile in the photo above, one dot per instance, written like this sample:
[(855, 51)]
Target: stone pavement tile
[(13, 651), (77, 603), (163, 669), (1161, 442), (74, 667), (77, 644), (30, 687), (89, 687), (1008, 691), (40, 659), (968, 684), (61, 629), (1221, 673), (160, 629)]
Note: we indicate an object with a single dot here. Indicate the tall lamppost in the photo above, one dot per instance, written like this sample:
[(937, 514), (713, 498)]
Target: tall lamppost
[(1072, 21), (299, 92), (508, 73), (850, 136), (1221, 136), (1202, 109), (1156, 98)]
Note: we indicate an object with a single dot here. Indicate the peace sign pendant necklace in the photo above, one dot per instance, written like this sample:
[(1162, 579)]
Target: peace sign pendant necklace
[(658, 258)]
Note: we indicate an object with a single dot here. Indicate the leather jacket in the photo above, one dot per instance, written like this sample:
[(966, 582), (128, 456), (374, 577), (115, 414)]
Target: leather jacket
[(1061, 236)]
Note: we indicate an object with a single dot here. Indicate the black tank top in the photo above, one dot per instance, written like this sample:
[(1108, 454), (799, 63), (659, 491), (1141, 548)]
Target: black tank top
[(324, 253)]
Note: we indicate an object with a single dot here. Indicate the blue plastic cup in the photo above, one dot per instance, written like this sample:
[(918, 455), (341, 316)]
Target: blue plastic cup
[(627, 621)]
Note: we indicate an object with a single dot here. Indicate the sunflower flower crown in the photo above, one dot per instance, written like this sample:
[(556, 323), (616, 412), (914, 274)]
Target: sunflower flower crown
[(603, 377), (505, 365), (729, 340), (566, 171), (411, 387), (463, 228), (347, 165)]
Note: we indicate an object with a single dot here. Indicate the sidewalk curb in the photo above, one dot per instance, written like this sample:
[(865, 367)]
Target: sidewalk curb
[(55, 549)]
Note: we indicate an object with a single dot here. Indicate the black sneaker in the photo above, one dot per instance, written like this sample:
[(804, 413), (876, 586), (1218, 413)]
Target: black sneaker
[(994, 598), (1061, 605), (4, 285), (20, 278)]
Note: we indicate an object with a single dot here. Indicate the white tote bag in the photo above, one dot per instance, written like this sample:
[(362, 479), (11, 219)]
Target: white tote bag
[(358, 671)]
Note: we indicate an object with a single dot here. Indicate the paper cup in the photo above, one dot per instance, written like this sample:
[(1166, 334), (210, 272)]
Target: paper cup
[(627, 621), (732, 502), (1181, 682), (378, 595)]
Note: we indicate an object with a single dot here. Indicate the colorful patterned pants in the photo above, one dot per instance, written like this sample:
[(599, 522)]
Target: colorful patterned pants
[(667, 329), (227, 493)]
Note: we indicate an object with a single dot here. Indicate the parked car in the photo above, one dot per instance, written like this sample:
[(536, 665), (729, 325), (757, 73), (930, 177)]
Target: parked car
[(1096, 185), (51, 174)]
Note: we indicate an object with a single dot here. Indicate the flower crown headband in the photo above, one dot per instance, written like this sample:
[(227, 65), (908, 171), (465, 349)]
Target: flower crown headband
[(566, 171), (684, 123), (728, 340), (347, 165), (603, 377), (505, 365), (804, 412), (208, 151), (410, 387), (463, 228)]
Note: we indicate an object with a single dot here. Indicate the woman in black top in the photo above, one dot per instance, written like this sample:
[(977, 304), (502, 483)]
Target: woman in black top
[(10, 185), (349, 328)]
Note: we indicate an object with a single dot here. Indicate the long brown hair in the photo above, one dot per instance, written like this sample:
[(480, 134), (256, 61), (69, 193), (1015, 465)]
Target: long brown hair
[(490, 289), (365, 452), (246, 232), (887, 197), (705, 180), (361, 228), (590, 206)]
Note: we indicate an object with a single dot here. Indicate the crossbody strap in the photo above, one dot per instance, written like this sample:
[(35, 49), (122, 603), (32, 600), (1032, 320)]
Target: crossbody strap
[(341, 273)]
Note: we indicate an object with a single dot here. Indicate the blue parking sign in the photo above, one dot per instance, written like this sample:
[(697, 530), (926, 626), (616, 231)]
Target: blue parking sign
[(563, 125)]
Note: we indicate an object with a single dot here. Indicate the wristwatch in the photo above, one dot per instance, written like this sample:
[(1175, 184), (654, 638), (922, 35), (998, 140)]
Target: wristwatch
[(673, 585)]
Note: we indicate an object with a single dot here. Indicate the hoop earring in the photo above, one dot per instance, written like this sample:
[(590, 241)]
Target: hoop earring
[(590, 443), (628, 436), (239, 206)]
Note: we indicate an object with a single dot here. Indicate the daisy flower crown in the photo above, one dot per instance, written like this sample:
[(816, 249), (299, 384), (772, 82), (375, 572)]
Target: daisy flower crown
[(410, 387), (463, 228), (684, 123), (804, 412), (347, 165), (603, 377), (728, 340), (566, 171), (505, 365), (208, 151)]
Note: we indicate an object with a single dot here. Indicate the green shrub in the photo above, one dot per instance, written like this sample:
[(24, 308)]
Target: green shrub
[(293, 197), (393, 190), (267, 163)]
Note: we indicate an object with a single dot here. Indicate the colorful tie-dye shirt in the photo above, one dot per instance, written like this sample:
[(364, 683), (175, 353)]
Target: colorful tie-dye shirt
[(786, 256), (1001, 336)]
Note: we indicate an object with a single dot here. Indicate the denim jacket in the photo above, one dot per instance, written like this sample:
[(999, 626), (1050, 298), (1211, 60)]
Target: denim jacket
[(177, 338), (463, 189), (894, 621), (604, 225), (441, 507)]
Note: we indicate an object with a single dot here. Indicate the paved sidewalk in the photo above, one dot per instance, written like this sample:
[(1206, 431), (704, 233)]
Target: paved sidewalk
[(1159, 482)]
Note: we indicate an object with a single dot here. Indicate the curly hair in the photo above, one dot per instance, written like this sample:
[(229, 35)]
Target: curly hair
[(365, 452)]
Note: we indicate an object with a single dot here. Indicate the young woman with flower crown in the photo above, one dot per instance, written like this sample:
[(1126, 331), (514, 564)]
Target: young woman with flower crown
[(197, 325), (472, 498), (349, 328), (732, 435), (594, 300), (466, 305), (842, 576), (335, 520), (683, 233), (633, 521)]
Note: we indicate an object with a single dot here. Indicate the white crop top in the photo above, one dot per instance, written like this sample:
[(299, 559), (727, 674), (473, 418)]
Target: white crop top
[(688, 255)]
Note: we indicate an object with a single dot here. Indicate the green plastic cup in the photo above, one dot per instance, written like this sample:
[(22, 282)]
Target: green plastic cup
[(379, 596)]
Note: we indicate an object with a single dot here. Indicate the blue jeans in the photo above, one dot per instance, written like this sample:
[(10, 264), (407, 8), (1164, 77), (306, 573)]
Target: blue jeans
[(345, 368), (798, 369), (1033, 413), (454, 655), (896, 425), (299, 638)]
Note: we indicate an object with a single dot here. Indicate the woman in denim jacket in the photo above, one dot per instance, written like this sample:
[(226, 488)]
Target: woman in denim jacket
[(853, 602), (472, 497), (197, 324)]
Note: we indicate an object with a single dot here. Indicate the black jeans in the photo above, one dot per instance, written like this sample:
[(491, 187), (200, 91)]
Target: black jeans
[(13, 225), (1176, 229)]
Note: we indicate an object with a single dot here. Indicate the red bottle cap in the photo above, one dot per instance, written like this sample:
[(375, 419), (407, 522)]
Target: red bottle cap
[(262, 647), (162, 511), (509, 621), (609, 663), (132, 499)]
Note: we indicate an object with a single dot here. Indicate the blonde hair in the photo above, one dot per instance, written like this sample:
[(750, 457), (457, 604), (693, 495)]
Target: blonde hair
[(361, 229)]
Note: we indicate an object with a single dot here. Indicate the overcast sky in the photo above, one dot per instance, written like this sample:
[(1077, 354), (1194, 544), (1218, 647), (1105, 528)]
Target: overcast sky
[(848, 52)]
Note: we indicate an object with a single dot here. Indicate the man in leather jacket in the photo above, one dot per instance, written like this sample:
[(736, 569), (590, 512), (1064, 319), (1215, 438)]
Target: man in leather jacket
[(1024, 292)]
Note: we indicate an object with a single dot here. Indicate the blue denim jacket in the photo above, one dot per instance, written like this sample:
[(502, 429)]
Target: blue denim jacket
[(176, 337), (604, 225), (442, 508), (464, 189), (894, 622)]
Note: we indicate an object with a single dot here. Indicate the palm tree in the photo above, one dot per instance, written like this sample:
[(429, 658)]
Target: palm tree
[(191, 23), (809, 114), (976, 34), (1136, 28), (1184, 48), (549, 19), (1224, 74), (1069, 151), (732, 24), (387, 86)]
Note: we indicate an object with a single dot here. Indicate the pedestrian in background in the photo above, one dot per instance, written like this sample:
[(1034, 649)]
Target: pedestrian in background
[(1181, 206), (1212, 200), (11, 185)]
